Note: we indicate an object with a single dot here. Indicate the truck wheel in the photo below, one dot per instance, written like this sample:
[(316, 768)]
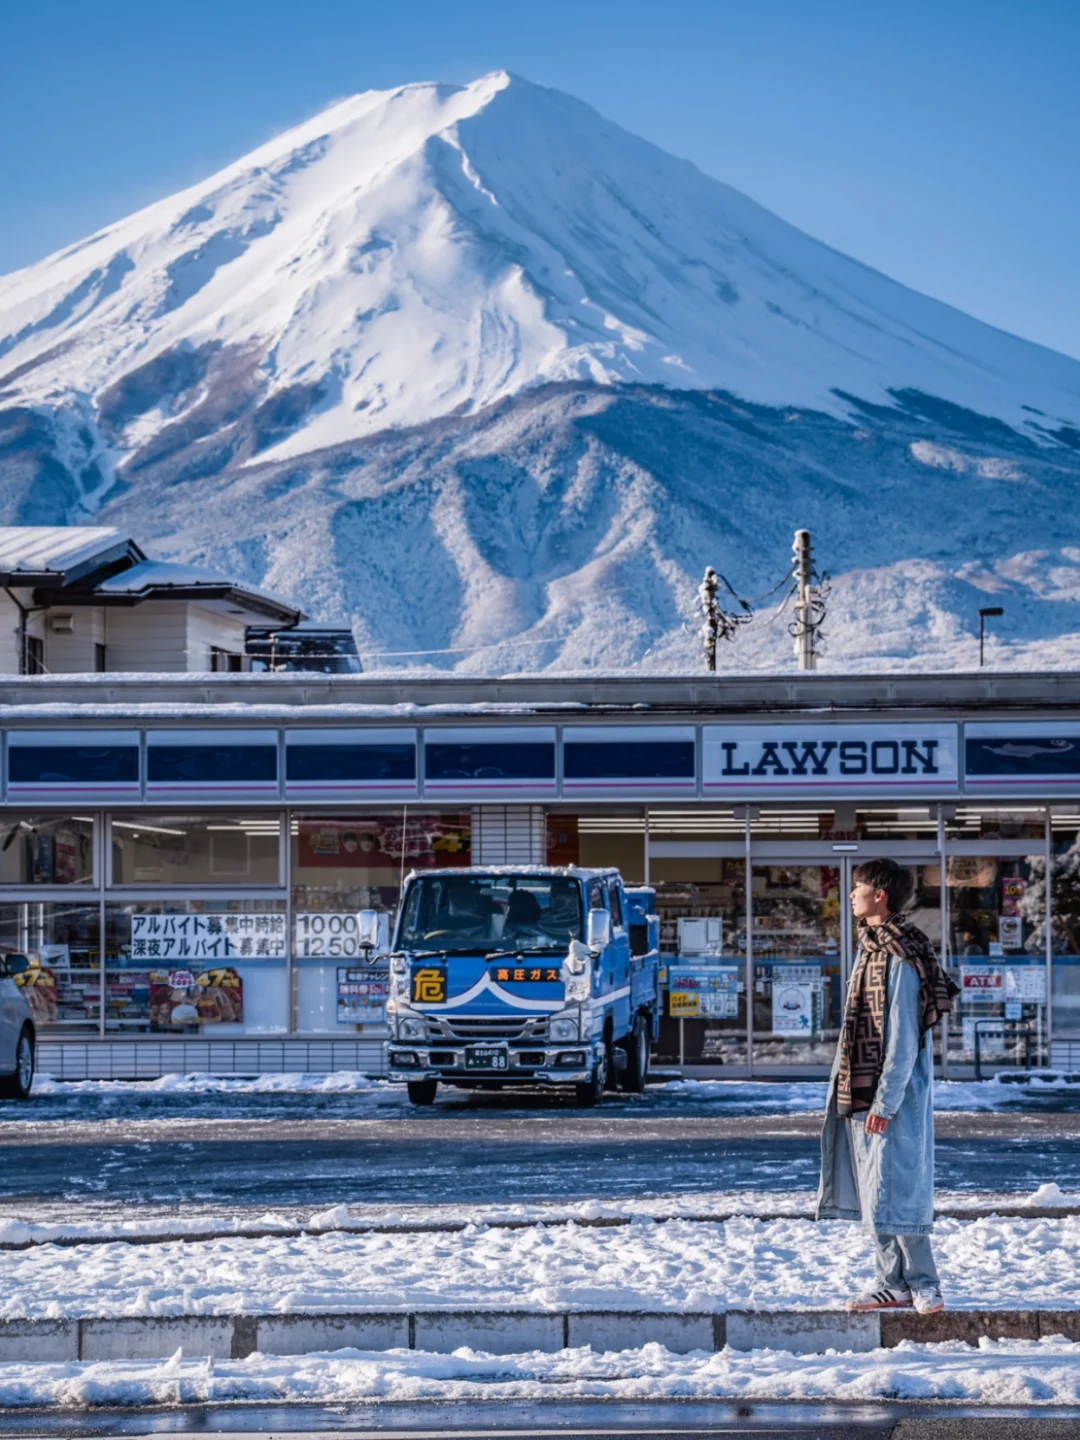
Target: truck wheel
[(637, 1057), (592, 1092), (422, 1092), (17, 1086)]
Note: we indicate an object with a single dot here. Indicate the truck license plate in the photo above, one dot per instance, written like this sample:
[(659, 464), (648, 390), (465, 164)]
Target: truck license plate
[(488, 1058)]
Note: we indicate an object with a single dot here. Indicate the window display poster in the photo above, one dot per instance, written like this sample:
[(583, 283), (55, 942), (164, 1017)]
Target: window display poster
[(181, 997), (208, 937), (1026, 984), (1012, 895), (793, 1008), (361, 995), (982, 983), (384, 842), (711, 993), (1010, 932)]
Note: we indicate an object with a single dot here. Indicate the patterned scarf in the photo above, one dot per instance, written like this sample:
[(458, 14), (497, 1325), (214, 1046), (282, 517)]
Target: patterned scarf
[(862, 1039)]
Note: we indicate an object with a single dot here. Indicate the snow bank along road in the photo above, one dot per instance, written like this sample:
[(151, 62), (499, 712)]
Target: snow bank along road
[(677, 1267)]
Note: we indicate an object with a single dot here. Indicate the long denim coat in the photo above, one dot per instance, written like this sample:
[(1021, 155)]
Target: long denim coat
[(886, 1181)]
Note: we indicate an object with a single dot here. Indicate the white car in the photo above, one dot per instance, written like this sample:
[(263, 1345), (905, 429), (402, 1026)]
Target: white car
[(16, 1032)]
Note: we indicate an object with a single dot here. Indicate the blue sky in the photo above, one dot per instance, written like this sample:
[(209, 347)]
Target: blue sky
[(938, 142)]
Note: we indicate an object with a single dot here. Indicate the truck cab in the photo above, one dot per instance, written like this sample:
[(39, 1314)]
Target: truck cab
[(511, 975)]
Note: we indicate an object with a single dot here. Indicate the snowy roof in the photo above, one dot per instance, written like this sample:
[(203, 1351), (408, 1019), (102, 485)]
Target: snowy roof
[(153, 577), (33, 554)]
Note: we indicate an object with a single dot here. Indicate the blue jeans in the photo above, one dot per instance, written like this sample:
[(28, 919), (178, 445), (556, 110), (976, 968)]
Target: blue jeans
[(906, 1262)]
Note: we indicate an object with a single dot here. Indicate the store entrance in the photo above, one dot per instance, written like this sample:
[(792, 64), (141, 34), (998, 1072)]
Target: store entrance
[(803, 945)]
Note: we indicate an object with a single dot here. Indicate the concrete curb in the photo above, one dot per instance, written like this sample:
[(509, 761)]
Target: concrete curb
[(436, 1227), (508, 1332)]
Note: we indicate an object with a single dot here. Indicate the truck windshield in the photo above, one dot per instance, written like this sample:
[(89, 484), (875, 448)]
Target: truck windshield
[(491, 913)]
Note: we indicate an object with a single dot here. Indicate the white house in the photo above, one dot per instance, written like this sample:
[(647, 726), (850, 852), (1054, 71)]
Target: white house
[(86, 598)]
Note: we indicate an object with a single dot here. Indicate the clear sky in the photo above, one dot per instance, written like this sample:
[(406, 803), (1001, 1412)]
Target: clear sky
[(938, 140)]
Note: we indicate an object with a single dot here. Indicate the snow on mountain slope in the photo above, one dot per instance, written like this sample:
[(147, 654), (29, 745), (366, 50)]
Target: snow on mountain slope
[(429, 250), (481, 335)]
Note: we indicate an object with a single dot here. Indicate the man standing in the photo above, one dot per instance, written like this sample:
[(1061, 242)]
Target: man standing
[(877, 1143)]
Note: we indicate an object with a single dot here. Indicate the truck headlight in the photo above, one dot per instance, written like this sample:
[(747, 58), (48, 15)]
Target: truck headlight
[(563, 1028), (411, 1027), (399, 965)]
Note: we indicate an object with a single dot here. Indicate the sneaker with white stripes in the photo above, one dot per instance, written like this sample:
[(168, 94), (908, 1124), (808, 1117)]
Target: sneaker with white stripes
[(929, 1302), (884, 1298)]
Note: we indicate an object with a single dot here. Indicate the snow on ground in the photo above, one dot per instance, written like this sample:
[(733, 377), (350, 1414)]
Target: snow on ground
[(680, 1265), (102, 1222), (1002, 1372)]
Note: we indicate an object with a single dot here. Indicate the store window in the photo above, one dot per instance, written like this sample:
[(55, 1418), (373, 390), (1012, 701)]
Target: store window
[(996, 949), (908, 823), (342, 864), (46, 849), (195, 849), (977, 822), (797, 967), (63, 983), (1065, 909), (598, 842), (204, 967), (702, 909)]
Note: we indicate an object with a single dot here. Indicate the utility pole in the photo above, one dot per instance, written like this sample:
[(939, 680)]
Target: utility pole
[(803, 628), (990, 612), (710, 615)]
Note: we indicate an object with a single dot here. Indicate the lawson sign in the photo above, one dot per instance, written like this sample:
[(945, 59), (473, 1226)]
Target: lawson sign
[(903, 759)]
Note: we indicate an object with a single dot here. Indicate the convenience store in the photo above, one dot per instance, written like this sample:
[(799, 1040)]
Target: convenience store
[(195, 848)]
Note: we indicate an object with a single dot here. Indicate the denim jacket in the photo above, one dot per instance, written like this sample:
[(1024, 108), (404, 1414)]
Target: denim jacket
[(887, 1181)]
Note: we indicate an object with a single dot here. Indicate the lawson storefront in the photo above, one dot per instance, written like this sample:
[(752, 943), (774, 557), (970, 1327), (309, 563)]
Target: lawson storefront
[(183, 860)]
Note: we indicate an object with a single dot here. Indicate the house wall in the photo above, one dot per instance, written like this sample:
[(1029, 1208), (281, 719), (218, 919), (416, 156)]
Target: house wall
[(74, 653), (9, 634), (208, 628), (150, 637)]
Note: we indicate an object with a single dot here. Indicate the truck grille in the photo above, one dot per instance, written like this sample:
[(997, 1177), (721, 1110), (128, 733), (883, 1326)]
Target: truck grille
[(483, 1027)]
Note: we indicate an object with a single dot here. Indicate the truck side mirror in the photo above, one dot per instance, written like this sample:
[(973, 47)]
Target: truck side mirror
[(367, 929), (598, 929)]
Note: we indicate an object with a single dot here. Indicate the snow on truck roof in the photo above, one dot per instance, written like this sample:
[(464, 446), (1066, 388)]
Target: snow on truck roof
[(577, 871)]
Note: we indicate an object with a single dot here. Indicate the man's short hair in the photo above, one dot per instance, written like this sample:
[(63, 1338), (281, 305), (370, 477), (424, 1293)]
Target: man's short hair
[(896, 880)]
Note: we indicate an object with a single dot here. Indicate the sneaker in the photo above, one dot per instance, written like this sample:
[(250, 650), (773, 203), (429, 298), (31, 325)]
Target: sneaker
[(883, 1299), (929, 1302)]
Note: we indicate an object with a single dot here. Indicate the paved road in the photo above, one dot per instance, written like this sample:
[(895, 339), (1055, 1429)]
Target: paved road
[(529, 1421), (430, 1157)]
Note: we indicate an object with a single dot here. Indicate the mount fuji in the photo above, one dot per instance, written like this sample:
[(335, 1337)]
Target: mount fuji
[(495, 380)]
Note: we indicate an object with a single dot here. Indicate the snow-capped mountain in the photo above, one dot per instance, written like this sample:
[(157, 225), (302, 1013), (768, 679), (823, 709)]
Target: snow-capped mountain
[(481, 334)]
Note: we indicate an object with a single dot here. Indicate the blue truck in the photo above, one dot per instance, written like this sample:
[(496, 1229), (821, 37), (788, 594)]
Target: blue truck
[(511, 975)]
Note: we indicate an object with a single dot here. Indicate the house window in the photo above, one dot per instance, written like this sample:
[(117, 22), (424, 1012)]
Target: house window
[(224, 659), (34, 655), (99, 658)]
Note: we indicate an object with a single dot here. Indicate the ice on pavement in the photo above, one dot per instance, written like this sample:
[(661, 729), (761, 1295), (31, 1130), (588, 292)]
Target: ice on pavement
[(766, 1096), (679, 1265), (999, 1372)]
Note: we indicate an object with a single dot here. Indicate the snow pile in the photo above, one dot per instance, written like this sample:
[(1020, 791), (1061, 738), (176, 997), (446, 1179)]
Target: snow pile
[(678, 1265), (1002, 1372)]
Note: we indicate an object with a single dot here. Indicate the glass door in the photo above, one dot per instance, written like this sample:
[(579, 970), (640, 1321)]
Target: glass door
[(798, 930), (803, 946)]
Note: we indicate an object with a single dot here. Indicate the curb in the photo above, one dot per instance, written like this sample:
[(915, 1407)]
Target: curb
[(509, 1332), (436, 1227)]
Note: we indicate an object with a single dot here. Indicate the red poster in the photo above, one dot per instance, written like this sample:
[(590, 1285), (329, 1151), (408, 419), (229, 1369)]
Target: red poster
[(381, 842)]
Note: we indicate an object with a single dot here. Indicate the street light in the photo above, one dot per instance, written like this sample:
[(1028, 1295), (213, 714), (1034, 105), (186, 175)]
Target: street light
[(991, 612)]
